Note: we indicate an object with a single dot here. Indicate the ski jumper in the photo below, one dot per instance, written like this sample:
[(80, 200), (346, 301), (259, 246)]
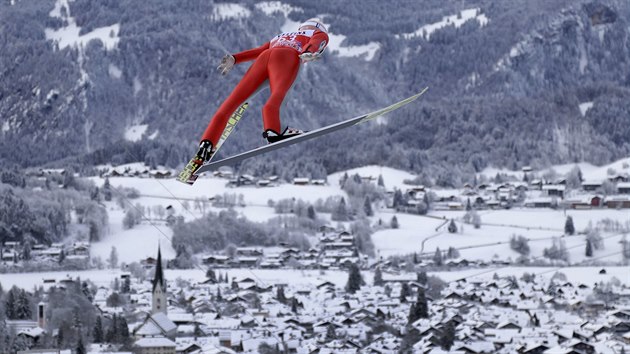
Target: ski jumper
[(277, 61)]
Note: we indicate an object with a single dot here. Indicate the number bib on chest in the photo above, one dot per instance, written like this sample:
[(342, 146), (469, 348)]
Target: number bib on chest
[(295, 40)]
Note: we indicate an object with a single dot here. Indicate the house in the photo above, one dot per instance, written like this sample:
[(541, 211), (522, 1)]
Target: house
[(543, 202), (623, 187), (249, 252), (591, 185), (216, 260), (80, 249), (263, 183), (155, 345), (617, 202), (301, 181), (160, 174), (619, 178), (536, 184), (552, 190), (586, 202)]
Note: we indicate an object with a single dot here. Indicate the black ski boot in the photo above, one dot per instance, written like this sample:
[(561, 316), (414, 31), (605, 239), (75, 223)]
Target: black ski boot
[(288, 132), (206, 151)]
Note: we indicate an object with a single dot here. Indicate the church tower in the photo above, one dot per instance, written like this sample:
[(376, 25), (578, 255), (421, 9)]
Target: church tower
[(159, 287)]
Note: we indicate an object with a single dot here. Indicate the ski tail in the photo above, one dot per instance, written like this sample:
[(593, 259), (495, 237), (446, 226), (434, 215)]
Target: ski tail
[(188, 174)]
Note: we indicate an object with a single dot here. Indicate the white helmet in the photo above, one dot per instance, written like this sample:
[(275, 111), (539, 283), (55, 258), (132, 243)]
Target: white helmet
[(315, 22)]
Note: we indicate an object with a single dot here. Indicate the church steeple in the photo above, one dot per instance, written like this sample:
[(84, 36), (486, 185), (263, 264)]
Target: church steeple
[(159, 287)]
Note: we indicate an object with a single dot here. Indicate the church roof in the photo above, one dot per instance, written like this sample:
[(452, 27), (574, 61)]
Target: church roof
[(159, 273), (163, 322)]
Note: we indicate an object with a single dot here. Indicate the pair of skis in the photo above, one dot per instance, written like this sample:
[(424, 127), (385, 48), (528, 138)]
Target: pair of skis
[(195, 167), (190, 172)]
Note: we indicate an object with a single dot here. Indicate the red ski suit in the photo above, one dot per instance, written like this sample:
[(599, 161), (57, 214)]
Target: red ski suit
[(277, 61)]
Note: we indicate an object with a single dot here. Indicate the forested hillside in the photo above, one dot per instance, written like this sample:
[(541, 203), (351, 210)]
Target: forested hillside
[(511, 83)]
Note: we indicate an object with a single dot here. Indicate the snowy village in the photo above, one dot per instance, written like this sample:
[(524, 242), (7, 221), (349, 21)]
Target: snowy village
[(425, 176), (530, 286)]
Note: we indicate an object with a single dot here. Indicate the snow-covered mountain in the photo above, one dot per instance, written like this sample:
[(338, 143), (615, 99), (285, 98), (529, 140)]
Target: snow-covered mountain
[(524, 83)]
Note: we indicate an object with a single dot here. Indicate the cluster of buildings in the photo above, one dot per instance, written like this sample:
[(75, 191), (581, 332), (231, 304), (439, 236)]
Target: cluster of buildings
[(503, 315), (334, 250), (13, 252), (532, 194)]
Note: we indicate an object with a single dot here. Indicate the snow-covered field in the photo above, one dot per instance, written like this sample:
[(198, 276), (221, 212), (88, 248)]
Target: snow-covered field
[(491, 241), (422, 234)]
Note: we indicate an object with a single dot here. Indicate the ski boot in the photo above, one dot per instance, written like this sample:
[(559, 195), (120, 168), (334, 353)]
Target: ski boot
[(288, 132), (204, 154)]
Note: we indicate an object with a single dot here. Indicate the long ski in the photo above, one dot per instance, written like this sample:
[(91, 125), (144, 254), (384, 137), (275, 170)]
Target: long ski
[(188, 174), (212, 165)]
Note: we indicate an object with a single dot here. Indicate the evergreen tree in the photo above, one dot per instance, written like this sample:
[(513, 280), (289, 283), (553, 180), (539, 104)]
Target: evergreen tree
[(11, 303), (62, 256), (331, 334), (60, 336), (340, 213), (107, 191), (380, 182), (23, 308), (420, 309), (378, 277), (625, 249), (447, 338), (123, 330), (394, 223), (219, 296), (452, 227), (113, 258), (367, 206), (97, 332), (280, 295), (569, 229), (126, 286), (211, 275), (112, 333), (422, 277), (310, 213), (80, 349), (354, 279), (589, 249), (437, 257), (399, 200), (294, 306), (405, 291)]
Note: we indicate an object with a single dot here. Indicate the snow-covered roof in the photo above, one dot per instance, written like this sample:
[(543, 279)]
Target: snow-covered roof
[(155, 342), (163, 321)]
